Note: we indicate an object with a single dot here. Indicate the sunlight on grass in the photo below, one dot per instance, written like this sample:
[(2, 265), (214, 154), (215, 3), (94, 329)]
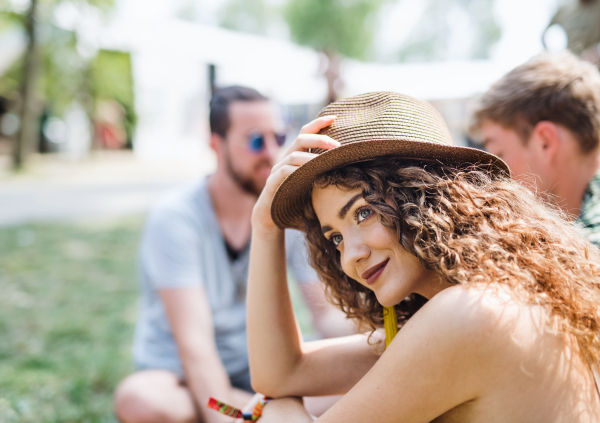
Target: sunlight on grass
[(68, 305)]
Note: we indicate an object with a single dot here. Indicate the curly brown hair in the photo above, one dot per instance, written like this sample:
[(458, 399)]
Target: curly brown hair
[(470, 228)]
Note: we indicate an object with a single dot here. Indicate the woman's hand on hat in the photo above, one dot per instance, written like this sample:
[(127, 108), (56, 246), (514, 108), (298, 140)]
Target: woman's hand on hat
[(296, 155)]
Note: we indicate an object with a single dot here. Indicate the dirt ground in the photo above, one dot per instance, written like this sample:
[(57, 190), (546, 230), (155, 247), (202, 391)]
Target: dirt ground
[(104, 184)]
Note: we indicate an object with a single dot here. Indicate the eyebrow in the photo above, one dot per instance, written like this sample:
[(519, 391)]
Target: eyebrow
[(344, 210)]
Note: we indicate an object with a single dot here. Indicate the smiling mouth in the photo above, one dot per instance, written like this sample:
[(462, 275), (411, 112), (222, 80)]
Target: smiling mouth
[(372, 273)]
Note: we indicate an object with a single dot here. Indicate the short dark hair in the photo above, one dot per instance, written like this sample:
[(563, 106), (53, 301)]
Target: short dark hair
[(557, 87), (219, 105)]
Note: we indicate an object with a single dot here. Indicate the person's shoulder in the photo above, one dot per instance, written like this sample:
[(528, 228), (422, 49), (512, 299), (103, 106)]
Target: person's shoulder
[(465, 309), (589, 218), (184, 196), (473, 301), (462, 332), (187, 199), (186, 206), (590, 211), (482, 317)]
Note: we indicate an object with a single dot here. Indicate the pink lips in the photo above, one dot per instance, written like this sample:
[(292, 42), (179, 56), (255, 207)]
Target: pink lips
[(372, 273)]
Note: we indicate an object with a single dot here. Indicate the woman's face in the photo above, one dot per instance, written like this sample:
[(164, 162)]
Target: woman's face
[(370, 253)]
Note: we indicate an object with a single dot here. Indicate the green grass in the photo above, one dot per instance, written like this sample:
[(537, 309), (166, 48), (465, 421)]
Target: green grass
[(68, 304), (67, 310)]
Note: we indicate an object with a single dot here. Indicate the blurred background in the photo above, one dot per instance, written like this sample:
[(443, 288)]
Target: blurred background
[(104, 107)]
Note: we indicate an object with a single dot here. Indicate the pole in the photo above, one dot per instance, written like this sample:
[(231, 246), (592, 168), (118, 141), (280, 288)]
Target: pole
[(25, 141)]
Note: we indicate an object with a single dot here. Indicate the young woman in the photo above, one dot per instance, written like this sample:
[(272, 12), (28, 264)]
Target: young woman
[(497, 295)]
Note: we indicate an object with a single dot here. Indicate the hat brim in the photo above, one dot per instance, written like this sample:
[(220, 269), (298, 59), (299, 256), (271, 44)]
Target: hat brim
[(286, 208)]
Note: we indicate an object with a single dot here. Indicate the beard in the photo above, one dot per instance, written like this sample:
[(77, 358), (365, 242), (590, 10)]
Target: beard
[(248, 182)]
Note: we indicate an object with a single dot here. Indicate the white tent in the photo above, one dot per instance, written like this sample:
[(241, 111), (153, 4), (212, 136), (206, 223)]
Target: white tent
[(171, 58), (170, 65)]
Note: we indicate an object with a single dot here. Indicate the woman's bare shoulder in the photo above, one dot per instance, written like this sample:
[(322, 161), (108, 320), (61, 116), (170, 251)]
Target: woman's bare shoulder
[(489, 318), (478, 335)]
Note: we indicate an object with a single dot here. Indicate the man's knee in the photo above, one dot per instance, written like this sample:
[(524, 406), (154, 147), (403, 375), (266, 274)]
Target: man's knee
[(146, 398), (134, 405)]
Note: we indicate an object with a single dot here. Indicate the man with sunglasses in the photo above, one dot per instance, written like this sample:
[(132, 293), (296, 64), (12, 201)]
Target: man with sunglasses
[(190, 340)]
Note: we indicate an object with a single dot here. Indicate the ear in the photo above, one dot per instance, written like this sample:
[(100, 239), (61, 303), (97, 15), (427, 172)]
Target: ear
[(216, 142), (545, 141)]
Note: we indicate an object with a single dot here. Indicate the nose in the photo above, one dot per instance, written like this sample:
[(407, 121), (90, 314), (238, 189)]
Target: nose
[(354, 251), (271, 147)]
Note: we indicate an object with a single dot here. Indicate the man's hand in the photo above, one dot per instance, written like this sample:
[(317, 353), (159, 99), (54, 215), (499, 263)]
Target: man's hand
[(191, 322)]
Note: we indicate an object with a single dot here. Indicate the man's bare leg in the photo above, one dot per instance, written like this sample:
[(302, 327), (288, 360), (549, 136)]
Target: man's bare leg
[(153, 396)]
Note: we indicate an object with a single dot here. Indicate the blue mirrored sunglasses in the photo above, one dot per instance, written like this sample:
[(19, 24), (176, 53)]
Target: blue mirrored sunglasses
[(256, 142)]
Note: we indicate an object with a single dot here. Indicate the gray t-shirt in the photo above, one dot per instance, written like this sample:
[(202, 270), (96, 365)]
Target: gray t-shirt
[(182, 246)]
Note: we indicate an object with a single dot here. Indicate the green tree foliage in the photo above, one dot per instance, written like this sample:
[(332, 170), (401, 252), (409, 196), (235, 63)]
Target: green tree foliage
[(334, 27), (252, 16), (53, 72), (10, 80), (431, 38), (62, 69), (346, 27)]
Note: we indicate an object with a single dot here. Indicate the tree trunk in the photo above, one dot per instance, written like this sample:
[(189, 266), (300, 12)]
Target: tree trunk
[(332, 75), (28, 134)]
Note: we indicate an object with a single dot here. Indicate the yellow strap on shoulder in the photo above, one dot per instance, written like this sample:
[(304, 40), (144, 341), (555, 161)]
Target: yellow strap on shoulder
[(390, 322)]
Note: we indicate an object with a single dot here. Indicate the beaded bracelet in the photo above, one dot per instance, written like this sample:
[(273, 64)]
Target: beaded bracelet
[(231, 411)]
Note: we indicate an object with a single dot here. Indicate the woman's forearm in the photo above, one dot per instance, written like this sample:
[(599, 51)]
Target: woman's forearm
[(289, 410), (274, 340)]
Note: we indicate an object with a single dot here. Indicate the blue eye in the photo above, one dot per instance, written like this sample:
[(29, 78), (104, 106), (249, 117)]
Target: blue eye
[(363, 214), (336, 239)]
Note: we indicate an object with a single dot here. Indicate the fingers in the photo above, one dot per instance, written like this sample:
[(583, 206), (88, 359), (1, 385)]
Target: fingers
[(309, 137), (295, 158), (304, 142), (280, 174), (316, 125), (275, 179), (296, 155)]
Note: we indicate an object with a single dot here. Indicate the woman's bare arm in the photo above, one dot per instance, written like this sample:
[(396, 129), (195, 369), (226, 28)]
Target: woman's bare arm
[(279, 363), (274, 340), (289, 410), (445, 356)]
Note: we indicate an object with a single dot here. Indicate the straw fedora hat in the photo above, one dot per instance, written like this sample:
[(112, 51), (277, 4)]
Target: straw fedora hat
[(374, 125)]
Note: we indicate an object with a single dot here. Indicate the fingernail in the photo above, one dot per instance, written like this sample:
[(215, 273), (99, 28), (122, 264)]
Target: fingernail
[(334, 143), (329, 117)]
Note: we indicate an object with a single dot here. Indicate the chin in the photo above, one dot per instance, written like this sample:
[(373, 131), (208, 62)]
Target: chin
[(386, 300), (390, 299)]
